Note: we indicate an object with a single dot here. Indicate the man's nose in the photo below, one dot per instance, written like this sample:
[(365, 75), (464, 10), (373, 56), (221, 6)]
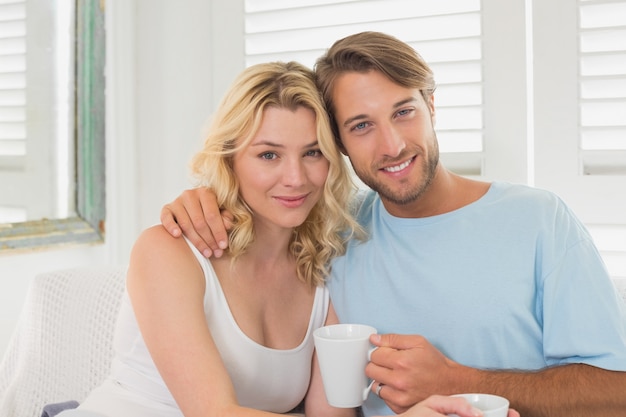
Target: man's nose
[(391, 143)]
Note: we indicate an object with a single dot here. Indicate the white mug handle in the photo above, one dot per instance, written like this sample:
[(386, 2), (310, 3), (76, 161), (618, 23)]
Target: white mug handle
[(370, 351), (367, 390)]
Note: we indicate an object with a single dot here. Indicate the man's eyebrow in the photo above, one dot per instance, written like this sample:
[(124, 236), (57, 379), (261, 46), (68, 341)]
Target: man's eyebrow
[(405, 101), (352, 119), (364, 116)]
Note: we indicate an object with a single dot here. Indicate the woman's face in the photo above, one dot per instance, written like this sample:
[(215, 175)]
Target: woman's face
[(282, 170)]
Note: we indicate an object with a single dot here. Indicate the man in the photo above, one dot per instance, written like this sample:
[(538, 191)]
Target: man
[(473, 286)]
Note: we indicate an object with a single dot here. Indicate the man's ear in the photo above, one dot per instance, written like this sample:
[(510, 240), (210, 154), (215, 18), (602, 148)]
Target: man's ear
[(431, 106)]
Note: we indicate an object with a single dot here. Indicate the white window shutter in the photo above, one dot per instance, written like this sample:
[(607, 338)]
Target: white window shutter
[(447, 33), (602, 81)]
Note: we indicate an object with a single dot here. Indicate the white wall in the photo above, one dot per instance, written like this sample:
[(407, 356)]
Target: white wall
[(167, 66)]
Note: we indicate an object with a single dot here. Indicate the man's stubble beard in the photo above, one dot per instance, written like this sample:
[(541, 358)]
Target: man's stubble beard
[(409, 195)]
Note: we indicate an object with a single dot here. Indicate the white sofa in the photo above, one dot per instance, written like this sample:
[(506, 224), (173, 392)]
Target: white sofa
[(63, 343)]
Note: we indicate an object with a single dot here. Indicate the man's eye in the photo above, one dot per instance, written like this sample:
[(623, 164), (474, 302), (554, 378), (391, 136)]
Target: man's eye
[(404, 112), (360, 126)]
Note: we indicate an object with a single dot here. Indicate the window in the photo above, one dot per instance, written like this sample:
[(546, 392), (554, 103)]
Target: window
[(519, 98), (36, 109), (51, 123)]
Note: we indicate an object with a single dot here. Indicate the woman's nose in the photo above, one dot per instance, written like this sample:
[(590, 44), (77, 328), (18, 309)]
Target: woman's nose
[(295, 173)]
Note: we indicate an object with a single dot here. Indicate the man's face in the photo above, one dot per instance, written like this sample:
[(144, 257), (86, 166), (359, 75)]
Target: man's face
[(388, 133)]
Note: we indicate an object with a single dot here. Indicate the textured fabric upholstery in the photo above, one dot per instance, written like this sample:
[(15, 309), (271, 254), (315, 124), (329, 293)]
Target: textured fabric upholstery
[(63, 343)]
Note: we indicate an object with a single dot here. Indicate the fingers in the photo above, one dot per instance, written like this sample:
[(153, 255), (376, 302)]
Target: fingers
[(451, 405), (440, 406), (169, 221), (397, 341), (202, 222), (408, 366), (196, 214)]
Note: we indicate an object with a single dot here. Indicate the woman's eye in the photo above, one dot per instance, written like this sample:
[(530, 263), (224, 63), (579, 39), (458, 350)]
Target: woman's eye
[(268, 155), (314, 153)]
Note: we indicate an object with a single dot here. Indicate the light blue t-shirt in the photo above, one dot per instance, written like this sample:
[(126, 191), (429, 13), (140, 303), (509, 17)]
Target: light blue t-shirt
[(511, 281)]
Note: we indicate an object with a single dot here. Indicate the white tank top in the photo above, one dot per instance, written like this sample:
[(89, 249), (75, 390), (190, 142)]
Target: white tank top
[(265, 379)]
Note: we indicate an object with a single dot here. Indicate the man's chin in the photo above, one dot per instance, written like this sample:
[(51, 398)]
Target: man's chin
[(399, 198)]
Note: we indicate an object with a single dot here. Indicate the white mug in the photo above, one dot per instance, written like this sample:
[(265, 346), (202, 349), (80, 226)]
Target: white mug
[(343, 351), (490, 405)]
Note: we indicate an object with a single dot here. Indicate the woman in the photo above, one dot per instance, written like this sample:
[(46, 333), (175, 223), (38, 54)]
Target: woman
[(233, 336)]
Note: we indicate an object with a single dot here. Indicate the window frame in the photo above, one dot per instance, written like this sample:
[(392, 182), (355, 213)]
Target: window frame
[(88, 226)]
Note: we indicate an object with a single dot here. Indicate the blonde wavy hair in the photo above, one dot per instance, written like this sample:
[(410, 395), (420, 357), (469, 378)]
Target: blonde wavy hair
[(329, 225)]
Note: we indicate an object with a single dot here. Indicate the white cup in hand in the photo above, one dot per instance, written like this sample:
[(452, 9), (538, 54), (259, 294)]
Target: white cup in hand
[(490, 405), (343, 351)]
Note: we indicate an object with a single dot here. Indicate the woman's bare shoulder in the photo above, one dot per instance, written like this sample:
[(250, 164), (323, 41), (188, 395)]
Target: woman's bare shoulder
[(157, 256)]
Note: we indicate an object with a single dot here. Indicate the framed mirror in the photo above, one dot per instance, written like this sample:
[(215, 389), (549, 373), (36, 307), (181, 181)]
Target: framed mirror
[(52, 118)]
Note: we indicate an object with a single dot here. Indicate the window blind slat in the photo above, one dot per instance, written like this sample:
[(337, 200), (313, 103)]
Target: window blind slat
[(12, 63), (603, 64), (602, 15), (10, 149), (603, 113), (603, 88), (255, 6), (410, 30), (12, 29), (603, 138), (603, 41), (367, 12), (466, 48), (12, 11), (12, 114), (12, 81), (424, 8), (12, 98), (12, 46), (12, 131)]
